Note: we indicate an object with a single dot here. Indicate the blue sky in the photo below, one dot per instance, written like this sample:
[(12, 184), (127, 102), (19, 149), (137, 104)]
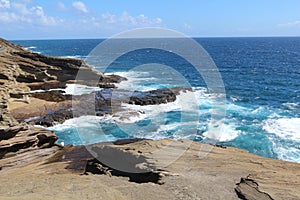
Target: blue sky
[(54, 19)]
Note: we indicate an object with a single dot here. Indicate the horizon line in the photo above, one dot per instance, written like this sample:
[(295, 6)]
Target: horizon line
[(196, 37)]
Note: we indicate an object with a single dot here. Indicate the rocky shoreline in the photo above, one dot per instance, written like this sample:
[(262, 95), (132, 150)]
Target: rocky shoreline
[(36, 167)]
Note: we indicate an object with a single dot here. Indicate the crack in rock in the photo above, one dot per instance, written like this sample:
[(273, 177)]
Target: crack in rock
[(247, 189)]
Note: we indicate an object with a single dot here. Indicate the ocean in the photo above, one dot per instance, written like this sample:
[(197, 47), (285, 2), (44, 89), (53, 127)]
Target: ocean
[(262, 82)]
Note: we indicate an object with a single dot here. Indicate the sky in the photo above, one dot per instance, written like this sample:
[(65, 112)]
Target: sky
[(70, 19)]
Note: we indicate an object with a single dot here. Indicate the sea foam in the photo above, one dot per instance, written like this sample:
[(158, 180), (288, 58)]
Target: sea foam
[(285, 128)]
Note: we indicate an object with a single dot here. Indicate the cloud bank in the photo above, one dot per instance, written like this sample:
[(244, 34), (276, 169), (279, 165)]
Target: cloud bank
[(28, 16)]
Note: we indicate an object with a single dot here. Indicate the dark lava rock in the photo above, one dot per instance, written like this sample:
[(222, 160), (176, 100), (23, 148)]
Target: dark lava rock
[(155, 96), (112, 79), (99, 103), (106, 85), (152, 97), (52, 117)]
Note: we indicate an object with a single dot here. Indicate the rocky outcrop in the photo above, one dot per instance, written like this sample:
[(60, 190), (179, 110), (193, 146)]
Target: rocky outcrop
[(248, 189), (22, 144), (20, 137), (168, 169), (28, 67), (51, 118), (22, 71), (159, 96), (53, 95), (106, 101)]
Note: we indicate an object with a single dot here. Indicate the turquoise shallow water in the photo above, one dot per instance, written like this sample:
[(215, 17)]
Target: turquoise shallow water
[(261, 78)]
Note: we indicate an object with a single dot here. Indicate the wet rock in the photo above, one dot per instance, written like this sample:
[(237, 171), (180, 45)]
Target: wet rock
[(113, 78), (106, 101), (152, 97), (52, 117), (106, 85)]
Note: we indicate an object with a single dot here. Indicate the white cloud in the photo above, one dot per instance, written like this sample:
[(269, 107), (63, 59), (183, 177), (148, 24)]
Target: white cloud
[(80, 6), (290, 24), (130, 21), (4, 4), (32, 18), (38, 11), (7, 17), (140, 20), (187, 26), (109, 18), (20, 8), (109, 23), (19, 12), (158, 20), (61, 6)]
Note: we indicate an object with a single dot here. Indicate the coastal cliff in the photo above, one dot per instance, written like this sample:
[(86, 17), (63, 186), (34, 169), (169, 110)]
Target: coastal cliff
[(35, 167), (20, 72)]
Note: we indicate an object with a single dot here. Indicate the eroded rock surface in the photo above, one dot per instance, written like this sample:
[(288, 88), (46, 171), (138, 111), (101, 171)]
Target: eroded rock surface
[(249, 189), (223, 173), (23, 144)]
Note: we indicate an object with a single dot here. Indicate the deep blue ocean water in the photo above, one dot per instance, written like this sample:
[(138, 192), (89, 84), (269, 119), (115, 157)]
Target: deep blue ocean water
[(262, 81)]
